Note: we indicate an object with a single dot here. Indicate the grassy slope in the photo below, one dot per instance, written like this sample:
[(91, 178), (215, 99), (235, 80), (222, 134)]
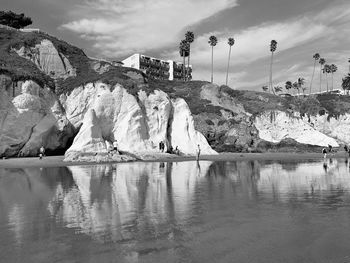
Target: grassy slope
[(253, 102), (22, 69)]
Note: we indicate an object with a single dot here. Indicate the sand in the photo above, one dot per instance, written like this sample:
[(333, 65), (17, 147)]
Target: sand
[(57, 161)]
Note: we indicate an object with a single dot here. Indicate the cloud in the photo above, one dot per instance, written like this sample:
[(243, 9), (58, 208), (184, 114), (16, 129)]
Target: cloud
[(122, 27)]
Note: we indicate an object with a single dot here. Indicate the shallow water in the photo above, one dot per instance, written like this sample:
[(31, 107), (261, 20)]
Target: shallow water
[(244, 211)]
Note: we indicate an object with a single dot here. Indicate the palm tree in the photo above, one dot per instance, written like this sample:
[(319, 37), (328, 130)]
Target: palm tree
[(278, 89), (301, 82), (231, 42), (333, 69), (264, 88), (273, 47), (212, 42), (321, 61), (288, 85), (316, 57), (326, 70), (346, 84), (189, 37), (184, 50), (296, 86)]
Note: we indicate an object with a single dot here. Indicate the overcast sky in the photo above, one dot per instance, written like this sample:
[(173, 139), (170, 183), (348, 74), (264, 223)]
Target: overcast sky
[(115, 29)]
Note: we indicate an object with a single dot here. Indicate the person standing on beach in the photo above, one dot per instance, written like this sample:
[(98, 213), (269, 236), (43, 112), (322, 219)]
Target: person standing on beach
[(41, 152), (198, 152), (115, 146), (324, 151), (330, 148)]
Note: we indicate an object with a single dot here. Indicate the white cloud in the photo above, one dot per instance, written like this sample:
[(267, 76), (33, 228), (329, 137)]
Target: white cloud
[(121, 27)]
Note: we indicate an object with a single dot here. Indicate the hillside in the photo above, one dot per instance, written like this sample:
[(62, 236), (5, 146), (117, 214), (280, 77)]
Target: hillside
[(57, 84)]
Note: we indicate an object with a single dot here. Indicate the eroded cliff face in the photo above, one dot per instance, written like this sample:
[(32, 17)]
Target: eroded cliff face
[(48, 59), (236, 129), (337, 128), (274, 126), (138, 123), (31, 119)]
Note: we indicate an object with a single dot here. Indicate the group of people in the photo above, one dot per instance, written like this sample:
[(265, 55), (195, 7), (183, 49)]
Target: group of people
[(113, 148), (170, 150), (330, 150), (347, 149)]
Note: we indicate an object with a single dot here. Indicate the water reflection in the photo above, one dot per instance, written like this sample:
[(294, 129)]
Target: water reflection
[(150, 208)]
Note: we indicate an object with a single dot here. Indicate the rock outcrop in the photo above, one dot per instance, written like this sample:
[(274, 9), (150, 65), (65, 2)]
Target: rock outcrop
[(102, 103), (48, 59), (31, 119), (275, 126), (138, 123)]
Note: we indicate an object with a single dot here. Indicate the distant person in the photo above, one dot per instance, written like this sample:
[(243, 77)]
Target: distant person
[(160, 146), (325, 166), (330, 148), (198, 152), (177, 151), (346, 148), (41, 152), (115, 146), (324, 151), (171, 150)]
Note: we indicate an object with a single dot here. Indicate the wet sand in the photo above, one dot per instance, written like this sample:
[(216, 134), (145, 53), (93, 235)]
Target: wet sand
[(57, 161)]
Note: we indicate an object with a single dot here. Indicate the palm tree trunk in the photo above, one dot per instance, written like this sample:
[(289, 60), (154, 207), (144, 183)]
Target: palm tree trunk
[(332, 81), (271, 86), (212, 62), (321, 79), (312, 78), (184, 69), (327, 80), (188, 61), (228, 64)]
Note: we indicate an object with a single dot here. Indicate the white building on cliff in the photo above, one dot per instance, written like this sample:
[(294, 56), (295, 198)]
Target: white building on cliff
[(158, 68)]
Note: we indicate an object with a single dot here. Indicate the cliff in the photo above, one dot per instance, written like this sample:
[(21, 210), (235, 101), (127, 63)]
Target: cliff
[(52, 94)]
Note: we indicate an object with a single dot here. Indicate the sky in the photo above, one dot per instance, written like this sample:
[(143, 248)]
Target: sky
[(116, 29)]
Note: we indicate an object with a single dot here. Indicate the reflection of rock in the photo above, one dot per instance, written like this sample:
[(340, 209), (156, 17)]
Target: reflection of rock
[(31, 119), (151, 193), (305, 178)]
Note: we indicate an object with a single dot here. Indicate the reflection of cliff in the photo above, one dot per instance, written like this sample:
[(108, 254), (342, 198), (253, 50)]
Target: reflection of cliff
[(305, 178), (146, 207), (24, 195), (112, 198)]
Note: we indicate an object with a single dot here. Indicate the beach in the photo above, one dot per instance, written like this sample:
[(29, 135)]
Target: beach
[(58, 161)]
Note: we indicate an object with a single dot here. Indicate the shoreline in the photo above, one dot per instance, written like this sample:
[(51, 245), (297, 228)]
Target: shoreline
[(57, 161)]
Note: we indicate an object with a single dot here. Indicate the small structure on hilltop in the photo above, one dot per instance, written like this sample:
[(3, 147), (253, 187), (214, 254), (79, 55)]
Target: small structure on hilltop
[(158, 68)]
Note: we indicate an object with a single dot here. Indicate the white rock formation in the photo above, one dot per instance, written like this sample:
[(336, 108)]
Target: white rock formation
[(48, 59), (31, 119), (183, 133), (89, 138), (337, 128), (138, 123), (276, 126)]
